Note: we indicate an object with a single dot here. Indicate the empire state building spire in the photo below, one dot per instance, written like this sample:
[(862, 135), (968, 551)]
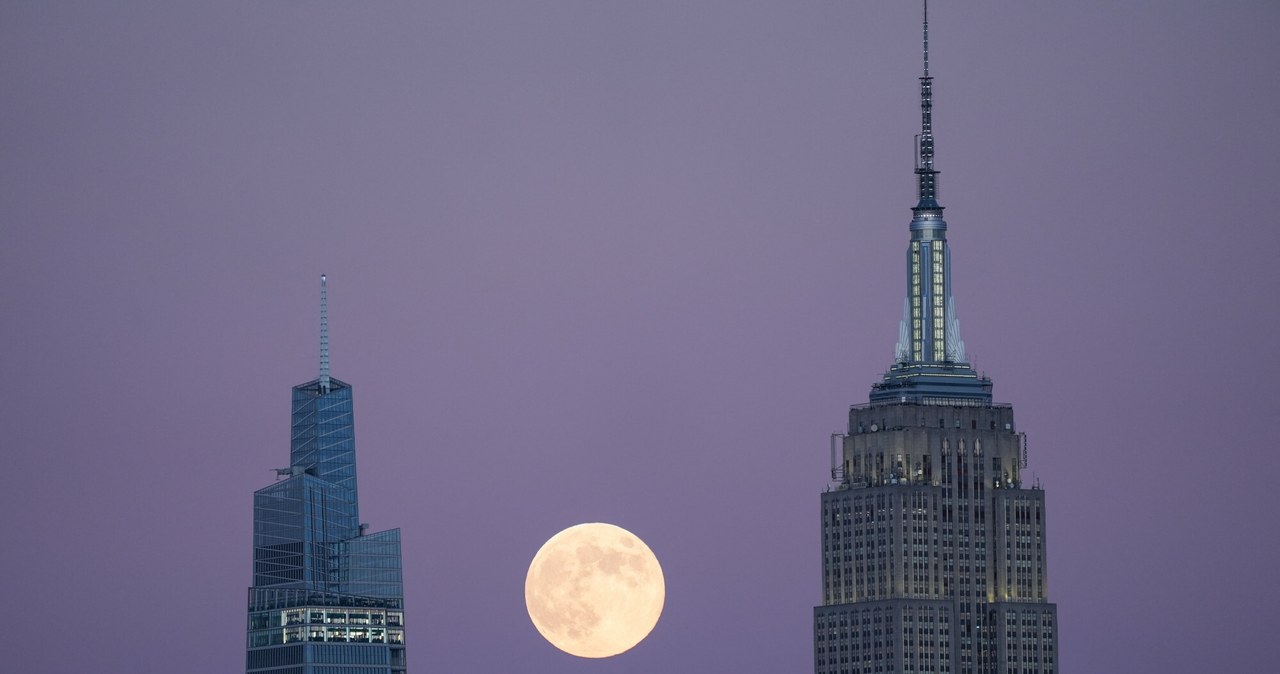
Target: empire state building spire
[(929, 359)]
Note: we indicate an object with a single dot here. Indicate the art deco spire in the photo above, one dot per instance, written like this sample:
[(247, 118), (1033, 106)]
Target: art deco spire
[(929, 359), (324, 335)]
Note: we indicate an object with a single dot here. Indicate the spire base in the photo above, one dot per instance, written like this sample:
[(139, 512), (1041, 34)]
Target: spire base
[(946, 383)]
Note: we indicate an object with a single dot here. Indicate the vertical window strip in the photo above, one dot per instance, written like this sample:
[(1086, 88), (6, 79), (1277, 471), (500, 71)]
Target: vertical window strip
[(916, 317)]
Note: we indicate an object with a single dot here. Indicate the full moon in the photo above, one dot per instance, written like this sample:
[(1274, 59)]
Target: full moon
[(594, 590)]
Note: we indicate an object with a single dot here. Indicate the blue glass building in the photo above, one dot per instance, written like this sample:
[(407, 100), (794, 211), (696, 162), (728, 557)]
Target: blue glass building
[(327, 596)]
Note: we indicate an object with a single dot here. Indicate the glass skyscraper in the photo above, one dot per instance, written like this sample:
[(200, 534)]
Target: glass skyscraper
[(933, 543), (327, 596)]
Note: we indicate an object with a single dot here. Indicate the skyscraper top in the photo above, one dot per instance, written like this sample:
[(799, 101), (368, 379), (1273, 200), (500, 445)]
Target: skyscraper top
[(312, 557), (324, 335), (932, 447), (929, 365)]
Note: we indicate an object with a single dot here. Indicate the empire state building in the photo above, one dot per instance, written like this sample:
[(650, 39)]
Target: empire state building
[(933, 543)]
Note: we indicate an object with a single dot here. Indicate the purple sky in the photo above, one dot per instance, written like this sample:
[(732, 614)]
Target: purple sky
[(626, 262)]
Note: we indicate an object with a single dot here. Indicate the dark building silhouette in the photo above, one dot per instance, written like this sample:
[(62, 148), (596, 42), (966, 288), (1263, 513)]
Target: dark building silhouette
[(327, 597), (933, 545)]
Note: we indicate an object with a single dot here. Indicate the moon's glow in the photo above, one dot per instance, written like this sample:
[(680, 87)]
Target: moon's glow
[(594, 590)]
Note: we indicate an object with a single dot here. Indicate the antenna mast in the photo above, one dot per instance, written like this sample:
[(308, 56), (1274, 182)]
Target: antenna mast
[(324, 335), (924, 162), (926, 38)]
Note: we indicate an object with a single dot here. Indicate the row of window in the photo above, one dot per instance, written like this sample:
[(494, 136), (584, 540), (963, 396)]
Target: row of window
[(316, 633), (328, 616)]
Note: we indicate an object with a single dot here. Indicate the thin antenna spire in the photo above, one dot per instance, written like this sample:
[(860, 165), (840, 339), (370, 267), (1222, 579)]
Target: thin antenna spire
[(926, 38), (924, 162), (324, 335)]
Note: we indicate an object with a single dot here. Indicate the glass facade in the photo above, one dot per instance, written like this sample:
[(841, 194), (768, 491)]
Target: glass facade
[(327, 598), (323, 434), (370, 565)]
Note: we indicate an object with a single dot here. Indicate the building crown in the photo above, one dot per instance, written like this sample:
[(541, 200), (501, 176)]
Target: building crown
[(929, 359)]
